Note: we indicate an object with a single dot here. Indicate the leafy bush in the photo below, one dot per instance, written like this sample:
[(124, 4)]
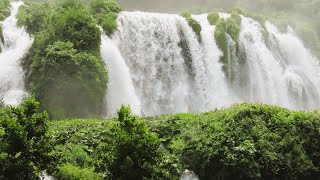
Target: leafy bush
[(78, 27), (64, 69), (69, 84), (71, 172), (23, 141), (106, 13), (213, 18), (35, 16), (105, 6), (134, 152), (196, 27), (244, 142), (109, 23)]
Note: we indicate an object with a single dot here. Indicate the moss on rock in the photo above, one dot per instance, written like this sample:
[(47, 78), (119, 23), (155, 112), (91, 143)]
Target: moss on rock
[(224, 28), (195, 25), (213, 18)]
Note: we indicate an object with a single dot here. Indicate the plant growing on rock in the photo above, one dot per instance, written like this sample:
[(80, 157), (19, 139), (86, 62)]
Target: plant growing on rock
[(195, 25)]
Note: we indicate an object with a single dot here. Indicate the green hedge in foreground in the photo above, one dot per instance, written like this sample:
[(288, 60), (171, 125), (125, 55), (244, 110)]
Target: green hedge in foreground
[(243, 142)]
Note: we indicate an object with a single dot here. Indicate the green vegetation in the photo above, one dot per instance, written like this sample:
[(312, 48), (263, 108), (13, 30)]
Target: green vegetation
[(122, 148), (244, 142), (106, 13), (23, 141), (259, 18), (196, 27), (64, 69), (227, 37), (4, 9), (213, 18)]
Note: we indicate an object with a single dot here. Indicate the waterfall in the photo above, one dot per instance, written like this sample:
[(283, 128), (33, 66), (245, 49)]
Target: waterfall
[(120, 87), (16, 44), (159, 59)]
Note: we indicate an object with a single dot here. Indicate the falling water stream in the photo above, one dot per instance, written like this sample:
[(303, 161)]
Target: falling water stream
[(171, 71), (16, 44)]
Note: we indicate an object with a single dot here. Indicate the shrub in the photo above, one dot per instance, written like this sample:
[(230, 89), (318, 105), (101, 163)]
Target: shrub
[(35, 17), (106, 13), (68, 83), (213, 18), (244, 142), (23, 141), (109, 23), (134, 152), (196, 27), (78, 27), (64, 69), (105, 6), (71, 172)]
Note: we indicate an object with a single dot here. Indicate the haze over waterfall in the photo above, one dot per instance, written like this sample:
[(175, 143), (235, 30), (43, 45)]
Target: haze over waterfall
[(150, 56)]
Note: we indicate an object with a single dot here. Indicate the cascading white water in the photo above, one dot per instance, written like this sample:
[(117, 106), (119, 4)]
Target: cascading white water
[(149, 44), (218, 92), (120, 87), (16, 44), (264, 70), (301, 71), (172, 71)]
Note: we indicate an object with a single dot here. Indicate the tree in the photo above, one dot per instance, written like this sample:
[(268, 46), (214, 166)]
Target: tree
[(134, 152), (23, 141)]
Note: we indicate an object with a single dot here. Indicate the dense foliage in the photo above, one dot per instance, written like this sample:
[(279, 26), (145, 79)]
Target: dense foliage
[(23, 141), (244, 142), (64, 69), (122, 148), (106, 13)]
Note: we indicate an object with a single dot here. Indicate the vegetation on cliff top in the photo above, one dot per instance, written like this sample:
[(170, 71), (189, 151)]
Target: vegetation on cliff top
[(64, 69), (227, 37), (106, 13), (195, 25)]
